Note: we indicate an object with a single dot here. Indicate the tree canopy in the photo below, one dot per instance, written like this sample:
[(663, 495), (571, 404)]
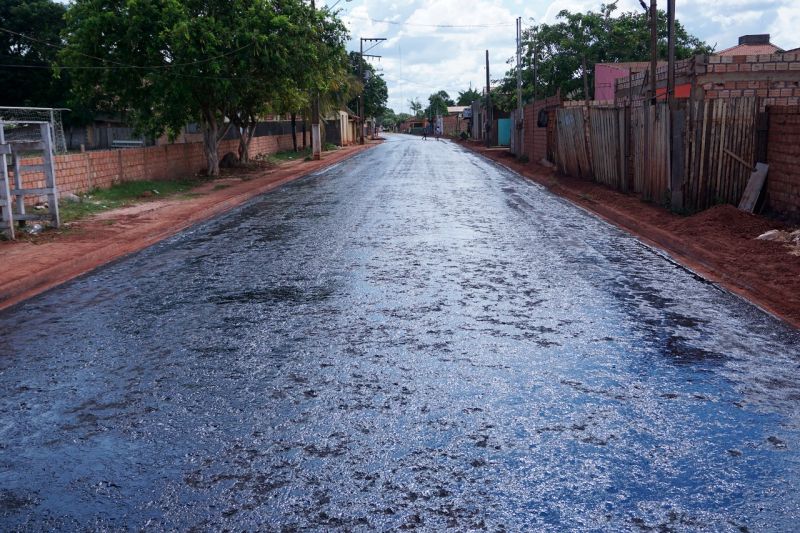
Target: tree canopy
[(438, 103), (559, 51), (29, 43), (375, 92), (169, 63), (467, 97)]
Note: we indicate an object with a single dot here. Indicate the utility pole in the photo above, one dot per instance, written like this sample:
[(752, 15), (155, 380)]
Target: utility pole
[(316, 133), (653, 50), (671, 54), (361, 78), (488, 105), (518, 143)]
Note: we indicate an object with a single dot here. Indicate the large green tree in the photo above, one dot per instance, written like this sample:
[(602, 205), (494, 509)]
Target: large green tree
[(563, 54), (467, 97), (169, 62), (30, 36), (375, 93), (438, 103)]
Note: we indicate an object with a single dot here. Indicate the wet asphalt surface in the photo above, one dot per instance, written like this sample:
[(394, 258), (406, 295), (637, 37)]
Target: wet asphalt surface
[(415, 338)]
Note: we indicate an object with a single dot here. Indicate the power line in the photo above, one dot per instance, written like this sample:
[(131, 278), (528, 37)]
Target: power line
[(396, 23)]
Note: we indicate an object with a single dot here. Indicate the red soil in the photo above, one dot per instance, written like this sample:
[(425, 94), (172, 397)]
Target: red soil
[(28, 267)]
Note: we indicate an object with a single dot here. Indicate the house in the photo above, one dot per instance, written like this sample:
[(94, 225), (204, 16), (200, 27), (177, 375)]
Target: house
[(606, 74), (454, 122)]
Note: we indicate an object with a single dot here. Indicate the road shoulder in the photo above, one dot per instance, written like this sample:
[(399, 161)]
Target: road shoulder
[(29, 268)]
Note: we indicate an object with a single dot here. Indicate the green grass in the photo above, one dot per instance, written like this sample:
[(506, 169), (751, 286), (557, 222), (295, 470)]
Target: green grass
[(121, 195), (291, 155)]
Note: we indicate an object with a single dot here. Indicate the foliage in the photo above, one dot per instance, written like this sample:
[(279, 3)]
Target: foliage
[(121, 195), (41, 21), (468, 96), (438, 103), (375, 93), (561, 50), (171, 62), (416, 107)]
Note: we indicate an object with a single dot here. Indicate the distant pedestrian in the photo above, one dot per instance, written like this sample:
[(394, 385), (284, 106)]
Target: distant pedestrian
[(438, 132), (424, 134)]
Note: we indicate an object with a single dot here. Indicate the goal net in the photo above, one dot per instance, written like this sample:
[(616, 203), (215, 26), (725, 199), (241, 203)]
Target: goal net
[(21, 124)]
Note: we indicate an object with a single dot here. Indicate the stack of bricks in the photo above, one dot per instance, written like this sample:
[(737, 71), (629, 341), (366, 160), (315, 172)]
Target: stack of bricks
[(78, 173), (773, 78), (783, 157)]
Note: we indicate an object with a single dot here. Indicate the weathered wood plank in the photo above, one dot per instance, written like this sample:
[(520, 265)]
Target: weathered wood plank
[(754, 186)]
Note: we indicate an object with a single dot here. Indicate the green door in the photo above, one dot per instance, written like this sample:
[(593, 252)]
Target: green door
[(504, 131)]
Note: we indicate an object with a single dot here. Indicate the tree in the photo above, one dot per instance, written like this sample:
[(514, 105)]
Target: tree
[(416, 107), (468, 96), (169, 63), (375, 94), (563, 54), (29, 43), (438, 103)]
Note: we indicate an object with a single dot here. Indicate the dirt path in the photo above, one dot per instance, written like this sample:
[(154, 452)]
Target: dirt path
[(33, 266), (719, 244)]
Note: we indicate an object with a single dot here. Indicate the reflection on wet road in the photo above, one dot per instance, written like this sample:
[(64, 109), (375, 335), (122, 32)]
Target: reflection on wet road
[(414, 338)]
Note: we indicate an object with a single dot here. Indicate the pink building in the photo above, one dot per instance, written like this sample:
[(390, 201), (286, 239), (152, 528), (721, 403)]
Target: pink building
[(606, 73)]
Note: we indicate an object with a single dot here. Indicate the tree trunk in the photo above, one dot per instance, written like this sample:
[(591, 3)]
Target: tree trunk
[(304, 132), (585, 79), (248, 131), (210, 142), (294, 131)]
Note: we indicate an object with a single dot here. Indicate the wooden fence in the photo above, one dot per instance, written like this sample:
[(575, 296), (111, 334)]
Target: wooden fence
[(689, 159)]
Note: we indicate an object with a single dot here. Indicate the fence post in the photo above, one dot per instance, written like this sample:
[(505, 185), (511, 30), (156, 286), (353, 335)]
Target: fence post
[(677, 156)]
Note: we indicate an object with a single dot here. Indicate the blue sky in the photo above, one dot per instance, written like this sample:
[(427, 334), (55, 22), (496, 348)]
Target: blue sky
[(419, 58)]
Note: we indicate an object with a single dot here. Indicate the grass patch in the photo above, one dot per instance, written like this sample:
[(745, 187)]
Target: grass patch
[(291, 155), (121, 195)]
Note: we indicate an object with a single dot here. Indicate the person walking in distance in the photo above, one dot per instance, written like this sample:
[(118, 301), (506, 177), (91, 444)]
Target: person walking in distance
[(425, 133), (438, 132)]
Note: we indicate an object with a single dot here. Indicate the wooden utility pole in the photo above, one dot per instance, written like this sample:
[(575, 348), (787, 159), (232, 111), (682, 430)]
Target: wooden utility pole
[(316, 133), (653, 50), (488, 127), (361, 104), (671, 54), (519, 120), (361, 96)]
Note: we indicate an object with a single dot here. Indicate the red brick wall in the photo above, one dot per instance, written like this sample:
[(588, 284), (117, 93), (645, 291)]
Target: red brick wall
[(535, 144), (783, 157), (77, 173)]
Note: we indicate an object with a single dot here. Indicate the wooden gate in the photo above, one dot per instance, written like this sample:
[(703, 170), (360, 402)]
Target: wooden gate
[(572, 154), (719, 132)]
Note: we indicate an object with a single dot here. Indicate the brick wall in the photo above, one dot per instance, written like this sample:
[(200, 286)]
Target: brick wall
[(783, 157), (77, 173), (536, 138), (775, 78)]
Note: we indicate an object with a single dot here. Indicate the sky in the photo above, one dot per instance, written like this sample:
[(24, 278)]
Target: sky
[(421, 57)]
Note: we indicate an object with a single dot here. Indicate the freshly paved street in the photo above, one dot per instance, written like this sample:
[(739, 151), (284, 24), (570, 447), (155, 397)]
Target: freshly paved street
[(414, 337)]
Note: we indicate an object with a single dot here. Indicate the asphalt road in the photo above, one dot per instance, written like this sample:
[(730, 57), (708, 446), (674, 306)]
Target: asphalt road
[(413, 338)]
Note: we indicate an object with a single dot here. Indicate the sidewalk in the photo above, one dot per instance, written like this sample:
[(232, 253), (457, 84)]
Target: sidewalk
[(718, 244), (30, 267)]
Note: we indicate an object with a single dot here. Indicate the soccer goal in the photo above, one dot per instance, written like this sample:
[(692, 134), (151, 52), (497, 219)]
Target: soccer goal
[(22, 124)]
